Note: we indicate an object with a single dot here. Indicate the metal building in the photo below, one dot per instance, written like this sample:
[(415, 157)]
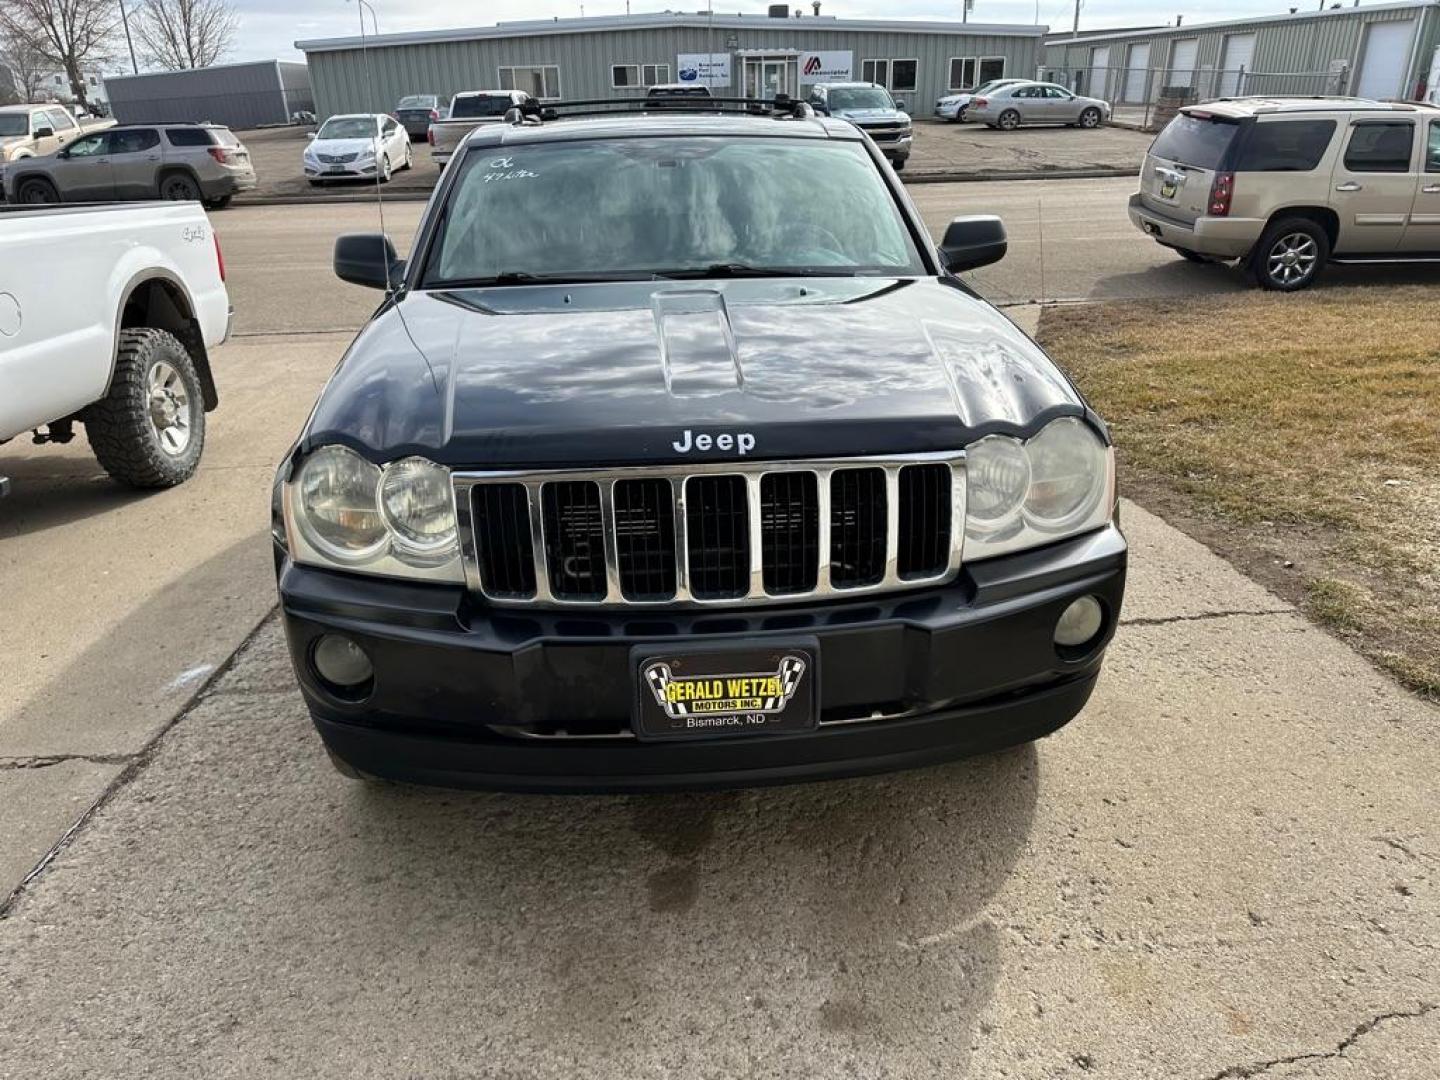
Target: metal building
[(237, 95), (617, 56), (1377, 51)]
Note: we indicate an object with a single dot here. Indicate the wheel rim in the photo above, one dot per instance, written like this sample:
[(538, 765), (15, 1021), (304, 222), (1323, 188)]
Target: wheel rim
[(178, 190), (1292, 258), (35, 193), (1008, 121), (1087, 118), (168, 408)]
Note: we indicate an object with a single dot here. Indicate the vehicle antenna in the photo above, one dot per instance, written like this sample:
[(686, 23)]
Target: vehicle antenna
[(360, 6)]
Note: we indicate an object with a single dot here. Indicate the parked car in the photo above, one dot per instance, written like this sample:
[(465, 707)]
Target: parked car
[(36, 130), (108, 315), (869, 107), (182, 162), (714, 475), (1018, 104), (678, 95), (468, 111), (1285, 186), (953, 106), (357, 146), (418, 111)]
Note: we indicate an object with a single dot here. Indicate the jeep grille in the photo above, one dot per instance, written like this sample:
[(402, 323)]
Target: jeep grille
[(712, 534)]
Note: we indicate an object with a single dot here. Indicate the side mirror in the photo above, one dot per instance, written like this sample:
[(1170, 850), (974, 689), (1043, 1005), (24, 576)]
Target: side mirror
[(368, 259), (44, 133), (973, 241)]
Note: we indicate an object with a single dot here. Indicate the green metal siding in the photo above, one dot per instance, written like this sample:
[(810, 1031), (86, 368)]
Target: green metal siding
[(349, 80)]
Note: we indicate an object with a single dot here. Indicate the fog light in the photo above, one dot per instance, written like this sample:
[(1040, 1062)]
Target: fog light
[(341, 662), (1079, 623)]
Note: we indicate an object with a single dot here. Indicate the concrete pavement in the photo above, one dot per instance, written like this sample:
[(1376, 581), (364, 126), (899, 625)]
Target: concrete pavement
[(1227, 862)]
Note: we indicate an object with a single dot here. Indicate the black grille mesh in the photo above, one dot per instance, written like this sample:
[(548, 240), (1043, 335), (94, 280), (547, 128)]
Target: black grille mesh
[(717, 535), (502, 535), (924, 548), (789, 532), (857, 527), (574, 540), (645, 538)]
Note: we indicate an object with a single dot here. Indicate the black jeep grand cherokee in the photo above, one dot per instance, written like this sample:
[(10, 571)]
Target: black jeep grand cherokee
[(677, 456)]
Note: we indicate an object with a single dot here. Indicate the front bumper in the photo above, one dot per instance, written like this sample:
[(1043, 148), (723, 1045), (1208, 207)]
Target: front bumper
[(469, 696), (353, 170), (1224, 238)]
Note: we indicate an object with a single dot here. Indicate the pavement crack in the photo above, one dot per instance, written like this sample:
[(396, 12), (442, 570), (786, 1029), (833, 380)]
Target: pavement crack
[(47, 760), (1258, 1068), (1201, 616)]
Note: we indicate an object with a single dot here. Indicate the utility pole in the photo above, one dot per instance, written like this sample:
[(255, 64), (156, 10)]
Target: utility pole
[(1075, 30), (125, 21)]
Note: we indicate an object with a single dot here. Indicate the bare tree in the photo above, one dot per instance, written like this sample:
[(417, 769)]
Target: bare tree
[(23, 67), (67, 34), (180, 34)]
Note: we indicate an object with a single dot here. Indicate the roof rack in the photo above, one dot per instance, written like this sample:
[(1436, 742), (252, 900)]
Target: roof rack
[(780, 107)]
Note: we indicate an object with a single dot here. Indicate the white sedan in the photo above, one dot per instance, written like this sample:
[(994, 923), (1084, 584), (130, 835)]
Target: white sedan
[(357, 146), (953, 106)]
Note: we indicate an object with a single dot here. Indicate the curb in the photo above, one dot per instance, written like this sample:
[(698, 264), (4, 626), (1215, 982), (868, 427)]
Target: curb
[(952, 177)]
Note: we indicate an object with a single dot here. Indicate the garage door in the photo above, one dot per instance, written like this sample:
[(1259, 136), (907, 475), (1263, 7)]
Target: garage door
[(1238, 55), (1098, 85), (1137, 73), (1182, 62), (1382, 64)]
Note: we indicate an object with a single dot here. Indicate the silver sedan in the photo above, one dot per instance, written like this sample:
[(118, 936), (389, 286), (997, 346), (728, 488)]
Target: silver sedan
[(1036, 103)]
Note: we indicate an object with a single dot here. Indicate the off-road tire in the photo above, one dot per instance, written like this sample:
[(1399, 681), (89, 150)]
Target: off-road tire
[(120, 428), (1009, 120), (220, 203), (178, 187), (1262, 267), (43, 192), (1090, 118)]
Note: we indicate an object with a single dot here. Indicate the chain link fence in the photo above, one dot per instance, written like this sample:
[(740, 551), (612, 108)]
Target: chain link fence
[(1148, 98)]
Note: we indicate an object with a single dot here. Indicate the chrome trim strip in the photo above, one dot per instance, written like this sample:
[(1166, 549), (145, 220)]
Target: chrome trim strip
[(823, 469)]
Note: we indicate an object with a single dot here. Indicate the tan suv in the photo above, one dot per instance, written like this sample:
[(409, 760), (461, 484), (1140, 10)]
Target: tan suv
[(37, 130), (1286, 185)]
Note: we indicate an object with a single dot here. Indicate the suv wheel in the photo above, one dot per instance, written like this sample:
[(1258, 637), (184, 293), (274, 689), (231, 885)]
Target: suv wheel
[(37, 191), (149, 430), (1289, 255), (177, 187), (1009, 120)]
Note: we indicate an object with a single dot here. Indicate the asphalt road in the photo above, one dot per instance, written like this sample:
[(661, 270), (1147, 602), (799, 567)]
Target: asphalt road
[(1226, 867)]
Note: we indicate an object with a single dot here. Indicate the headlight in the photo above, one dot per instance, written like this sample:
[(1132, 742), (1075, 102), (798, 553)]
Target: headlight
[(416, 499), (1023, 494), (399, 521)]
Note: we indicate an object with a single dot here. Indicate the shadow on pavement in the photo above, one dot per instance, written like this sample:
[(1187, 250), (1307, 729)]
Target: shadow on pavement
[(51, 491)]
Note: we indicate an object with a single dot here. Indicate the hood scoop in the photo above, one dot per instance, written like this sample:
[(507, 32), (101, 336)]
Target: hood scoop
[(698, 354)]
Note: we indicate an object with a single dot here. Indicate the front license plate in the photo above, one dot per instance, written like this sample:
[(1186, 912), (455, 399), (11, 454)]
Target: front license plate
[(1168, 189), (725, 690), (337, 168)]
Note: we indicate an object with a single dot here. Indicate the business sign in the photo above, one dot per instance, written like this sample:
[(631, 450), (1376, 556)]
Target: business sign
[(818, 67), (705, 69)]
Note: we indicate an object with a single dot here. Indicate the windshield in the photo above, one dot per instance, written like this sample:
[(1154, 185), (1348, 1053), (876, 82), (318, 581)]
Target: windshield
[(349, 127), (484, 105), (14, 124), (993, 84), (680, 206), (417, 101), (860, 97)]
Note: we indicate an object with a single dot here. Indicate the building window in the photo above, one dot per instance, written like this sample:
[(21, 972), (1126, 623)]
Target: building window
[(537, 80), (655, 73), (59, 81), (991, 67), (962, 73), (624, 75), (903, 74), (876, 71)]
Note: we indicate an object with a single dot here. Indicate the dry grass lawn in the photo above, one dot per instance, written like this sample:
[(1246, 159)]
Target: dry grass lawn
[(1297, 435)]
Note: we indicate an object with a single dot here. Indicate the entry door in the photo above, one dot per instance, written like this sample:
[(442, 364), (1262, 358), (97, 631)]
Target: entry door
[(1383, 63), (1099, 83), (1423, 232), (1374, 186), (1137, 73), (1182, 62), (1237, 56), (773, 78)]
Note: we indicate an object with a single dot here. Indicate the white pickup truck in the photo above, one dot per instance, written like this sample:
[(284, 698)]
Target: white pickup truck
[(107, 317)]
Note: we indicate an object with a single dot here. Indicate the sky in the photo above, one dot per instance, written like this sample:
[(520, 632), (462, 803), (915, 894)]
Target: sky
[(269, 28)]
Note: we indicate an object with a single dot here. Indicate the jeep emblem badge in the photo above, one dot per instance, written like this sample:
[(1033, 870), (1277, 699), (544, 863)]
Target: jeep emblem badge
[(742, 441)]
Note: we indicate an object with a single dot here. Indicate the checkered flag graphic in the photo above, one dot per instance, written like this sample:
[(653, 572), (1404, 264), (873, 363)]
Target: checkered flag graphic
[(790, 670), (658, 676)]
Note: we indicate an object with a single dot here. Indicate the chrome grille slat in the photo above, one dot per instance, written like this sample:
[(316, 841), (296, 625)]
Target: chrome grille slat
[(752, 591)]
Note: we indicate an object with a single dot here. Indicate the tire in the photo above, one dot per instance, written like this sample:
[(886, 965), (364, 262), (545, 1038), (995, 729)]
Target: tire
[(36, 191), (898, 164), (149, 430), (1009, 120), (1290, 255), (220, 203), (317, 183), (1191, 256), (409, 159), (1090, 118), (385, 172), (179, 187)]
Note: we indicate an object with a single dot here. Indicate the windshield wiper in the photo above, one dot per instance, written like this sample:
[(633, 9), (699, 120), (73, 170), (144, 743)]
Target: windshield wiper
[(741, 270), (524, 277)]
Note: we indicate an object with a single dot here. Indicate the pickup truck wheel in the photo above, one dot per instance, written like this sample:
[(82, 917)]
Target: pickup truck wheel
[(177, 187), (149, 430), (36, 191)]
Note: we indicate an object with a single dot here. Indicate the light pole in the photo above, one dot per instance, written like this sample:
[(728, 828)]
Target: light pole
[(125, 21), (374, 22)]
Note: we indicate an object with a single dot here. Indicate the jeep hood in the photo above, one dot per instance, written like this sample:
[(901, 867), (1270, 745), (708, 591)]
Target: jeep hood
[(559, 375)]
